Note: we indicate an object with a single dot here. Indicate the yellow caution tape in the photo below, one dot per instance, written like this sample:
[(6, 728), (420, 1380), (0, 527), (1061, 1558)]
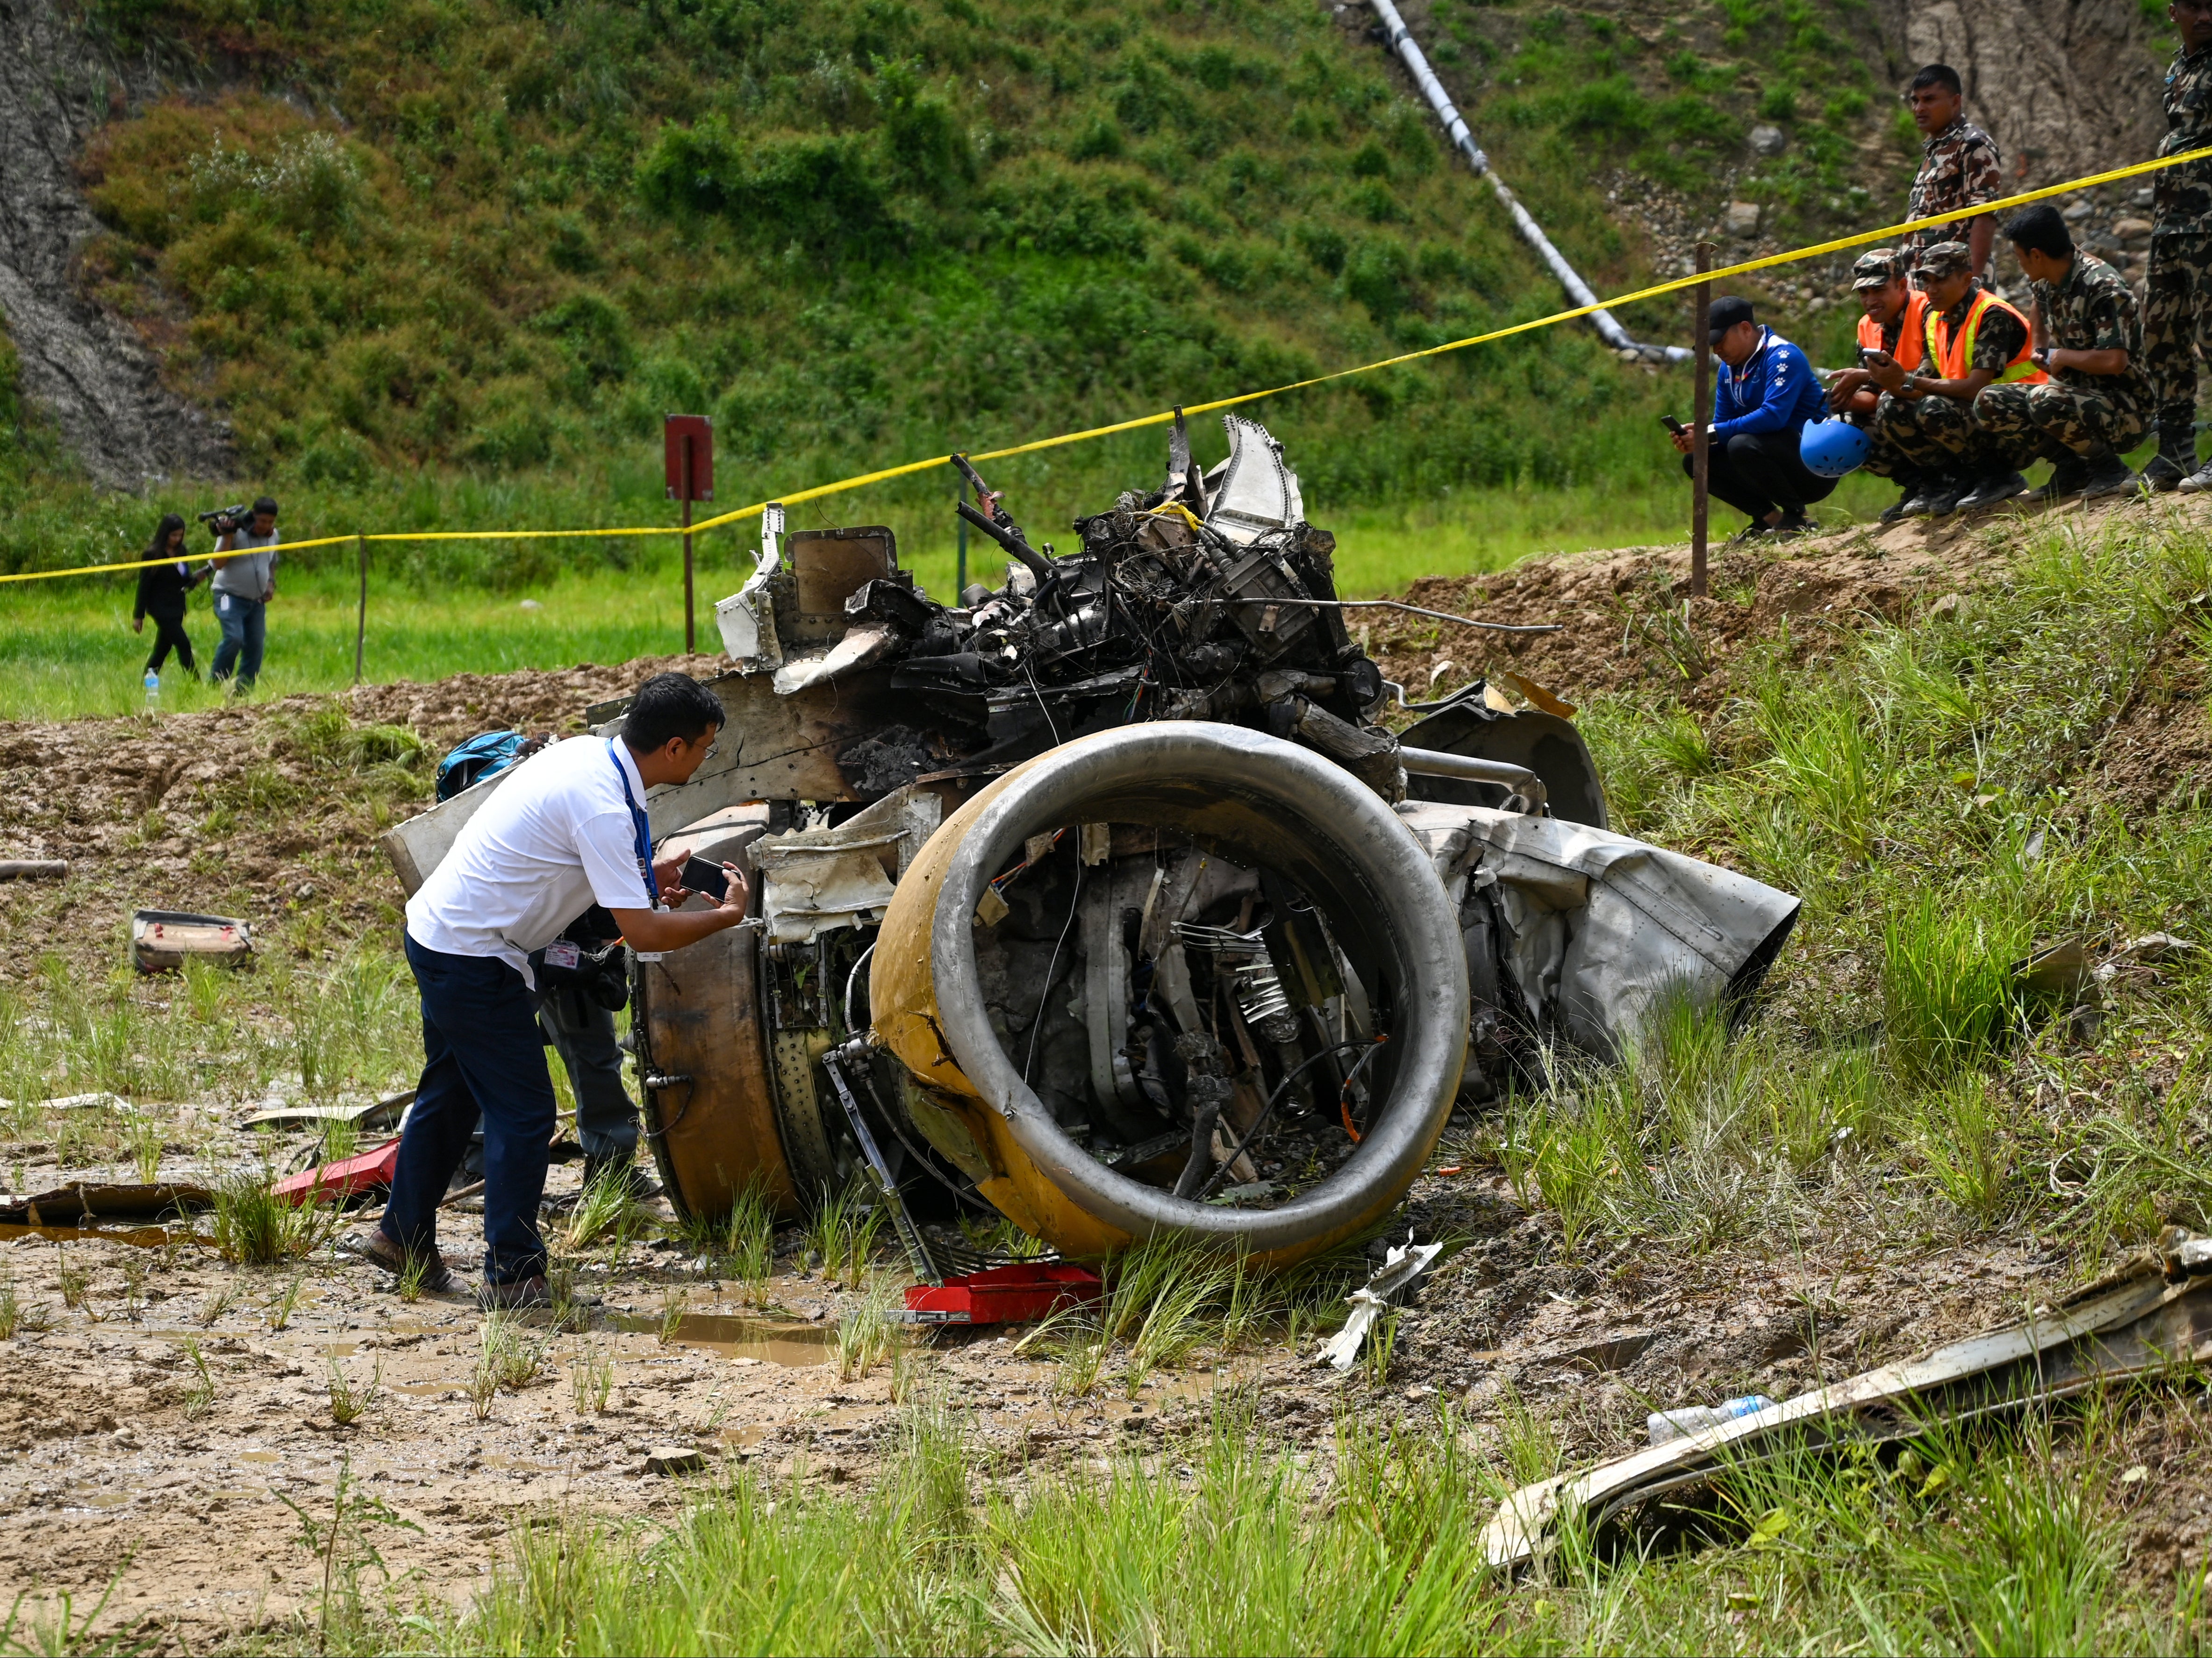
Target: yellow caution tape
[(1837, 245)]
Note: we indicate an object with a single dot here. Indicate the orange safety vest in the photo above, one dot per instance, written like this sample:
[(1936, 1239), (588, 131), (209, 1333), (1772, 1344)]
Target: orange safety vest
[(1912, 328), (1953, 357)]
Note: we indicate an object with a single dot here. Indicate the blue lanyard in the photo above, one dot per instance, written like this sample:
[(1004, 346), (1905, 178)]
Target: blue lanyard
[(640, 830)]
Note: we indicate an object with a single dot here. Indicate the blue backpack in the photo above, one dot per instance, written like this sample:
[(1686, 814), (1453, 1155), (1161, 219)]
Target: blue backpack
[(477, 759)]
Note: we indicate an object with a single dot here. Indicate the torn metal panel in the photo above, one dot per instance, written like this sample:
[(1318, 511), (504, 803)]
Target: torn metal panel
[(746, 619), (1258, 491), (1542, 739), (2155, 1313), (1654, 923), (816, 880), (93, 1200), (857, 648), (1598, 926), (373, 1114)]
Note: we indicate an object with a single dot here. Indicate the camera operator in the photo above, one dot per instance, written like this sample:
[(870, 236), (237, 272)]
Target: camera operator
[(245, 582)]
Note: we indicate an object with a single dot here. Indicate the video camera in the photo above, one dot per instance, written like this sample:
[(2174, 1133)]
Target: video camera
[(228, 520)]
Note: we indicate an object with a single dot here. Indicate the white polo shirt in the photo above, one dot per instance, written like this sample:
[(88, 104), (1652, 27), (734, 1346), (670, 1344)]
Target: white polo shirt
[(553, 839)]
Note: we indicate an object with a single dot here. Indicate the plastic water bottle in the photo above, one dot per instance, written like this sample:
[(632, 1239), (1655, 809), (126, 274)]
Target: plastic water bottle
[(1664, 1425), (153, 688)]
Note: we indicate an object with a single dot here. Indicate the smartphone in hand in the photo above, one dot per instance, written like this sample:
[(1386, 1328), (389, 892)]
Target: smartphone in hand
[(1673, 425), (699, 876)]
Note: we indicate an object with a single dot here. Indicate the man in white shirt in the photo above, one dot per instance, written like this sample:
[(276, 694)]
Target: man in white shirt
[(567, 829)]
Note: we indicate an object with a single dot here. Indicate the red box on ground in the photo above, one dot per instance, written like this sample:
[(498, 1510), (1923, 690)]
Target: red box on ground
[(371, 1171), (1005, 1295)]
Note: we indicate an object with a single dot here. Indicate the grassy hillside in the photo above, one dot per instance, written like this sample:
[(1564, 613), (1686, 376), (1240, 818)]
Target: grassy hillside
[(402, 242)]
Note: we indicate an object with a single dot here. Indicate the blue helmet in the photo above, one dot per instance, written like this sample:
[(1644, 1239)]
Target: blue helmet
[(1831, 448)]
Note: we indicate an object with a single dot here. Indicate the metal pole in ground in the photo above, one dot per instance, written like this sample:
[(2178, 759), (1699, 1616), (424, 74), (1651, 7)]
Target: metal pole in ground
[(690, 637), (360, 622), (960, 565), (1700, 437)]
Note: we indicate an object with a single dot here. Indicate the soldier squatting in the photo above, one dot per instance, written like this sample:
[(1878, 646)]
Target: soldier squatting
[(1956, 389)]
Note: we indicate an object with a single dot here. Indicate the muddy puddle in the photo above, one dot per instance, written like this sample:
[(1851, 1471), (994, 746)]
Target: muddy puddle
[(735, 1337), (145, 1237)]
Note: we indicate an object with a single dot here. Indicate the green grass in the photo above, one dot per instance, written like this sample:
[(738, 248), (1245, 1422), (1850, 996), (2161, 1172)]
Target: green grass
[(2004, 1542), (871, 230), (67, 650)]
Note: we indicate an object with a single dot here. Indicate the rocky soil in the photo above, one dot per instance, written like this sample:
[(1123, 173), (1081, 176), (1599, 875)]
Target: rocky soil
[(88, 369)]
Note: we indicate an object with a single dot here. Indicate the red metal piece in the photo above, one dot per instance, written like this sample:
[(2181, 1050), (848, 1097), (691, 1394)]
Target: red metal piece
[(371, 1171), (688, 441), (1005, 1295)]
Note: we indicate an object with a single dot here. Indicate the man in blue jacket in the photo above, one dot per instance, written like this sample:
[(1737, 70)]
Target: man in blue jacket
[(1764, 393)]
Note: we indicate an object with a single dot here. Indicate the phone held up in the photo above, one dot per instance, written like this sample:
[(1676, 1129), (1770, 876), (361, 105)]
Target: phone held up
[(699, 876)]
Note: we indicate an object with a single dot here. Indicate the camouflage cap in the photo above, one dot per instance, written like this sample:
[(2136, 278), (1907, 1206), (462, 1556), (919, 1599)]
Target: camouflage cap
[(1945, 259), (1877, 267)]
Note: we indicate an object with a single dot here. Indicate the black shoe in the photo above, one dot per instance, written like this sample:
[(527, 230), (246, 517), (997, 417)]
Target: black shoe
[(1992, 491), (2067, 477), (1794, 523), (2175, 460), (1901, 507), (1944, 498), (2108, 475), (1933, 494)]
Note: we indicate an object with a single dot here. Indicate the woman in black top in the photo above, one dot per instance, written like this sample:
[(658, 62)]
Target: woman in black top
[(161, 590)]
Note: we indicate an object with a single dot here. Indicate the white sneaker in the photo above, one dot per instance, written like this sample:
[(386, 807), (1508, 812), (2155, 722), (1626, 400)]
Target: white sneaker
[(2198, 482)]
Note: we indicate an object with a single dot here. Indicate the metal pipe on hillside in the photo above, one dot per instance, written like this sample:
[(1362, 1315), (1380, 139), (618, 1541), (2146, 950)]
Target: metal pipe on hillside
[(1401, 41)]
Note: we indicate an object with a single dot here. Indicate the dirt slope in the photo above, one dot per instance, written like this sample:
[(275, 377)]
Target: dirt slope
[(88, 369)]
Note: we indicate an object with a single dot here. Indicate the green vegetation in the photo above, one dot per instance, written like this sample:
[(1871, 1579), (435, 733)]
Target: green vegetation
[(68, 650), (1998, 1545), (462, 294), (1936, 795)]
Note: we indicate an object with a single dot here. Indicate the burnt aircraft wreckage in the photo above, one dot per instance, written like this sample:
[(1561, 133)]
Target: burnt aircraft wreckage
[(1105, 899)]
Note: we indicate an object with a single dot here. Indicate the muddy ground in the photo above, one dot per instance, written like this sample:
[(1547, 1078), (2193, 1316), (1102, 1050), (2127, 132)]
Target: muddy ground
[(1629, 623), (121, 1464)]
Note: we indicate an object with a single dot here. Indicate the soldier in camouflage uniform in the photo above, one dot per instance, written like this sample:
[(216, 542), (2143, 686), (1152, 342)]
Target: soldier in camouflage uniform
[(1894, 325), (1927, 416), (2177, 293), (1957, 167), (2089, 338)]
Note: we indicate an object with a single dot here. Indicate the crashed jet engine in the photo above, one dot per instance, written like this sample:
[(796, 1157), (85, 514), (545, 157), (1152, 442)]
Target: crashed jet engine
[(1105, 901)]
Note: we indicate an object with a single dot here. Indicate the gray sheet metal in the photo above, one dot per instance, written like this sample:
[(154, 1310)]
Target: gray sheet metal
[(1604, 925)]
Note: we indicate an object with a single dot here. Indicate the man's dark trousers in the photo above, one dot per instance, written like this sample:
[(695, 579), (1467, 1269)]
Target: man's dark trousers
[(1758, 472), (482, 1054)]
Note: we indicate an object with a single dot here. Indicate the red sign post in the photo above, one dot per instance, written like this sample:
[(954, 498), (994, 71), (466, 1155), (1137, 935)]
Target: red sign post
[(687, 453)]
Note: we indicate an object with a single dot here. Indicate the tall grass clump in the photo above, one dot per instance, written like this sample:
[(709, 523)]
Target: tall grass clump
[(1948, 995), (253, 1227)]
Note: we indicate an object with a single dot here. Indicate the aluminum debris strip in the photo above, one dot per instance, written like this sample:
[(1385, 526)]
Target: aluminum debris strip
[(1405, 1263), (2153, 1315)]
